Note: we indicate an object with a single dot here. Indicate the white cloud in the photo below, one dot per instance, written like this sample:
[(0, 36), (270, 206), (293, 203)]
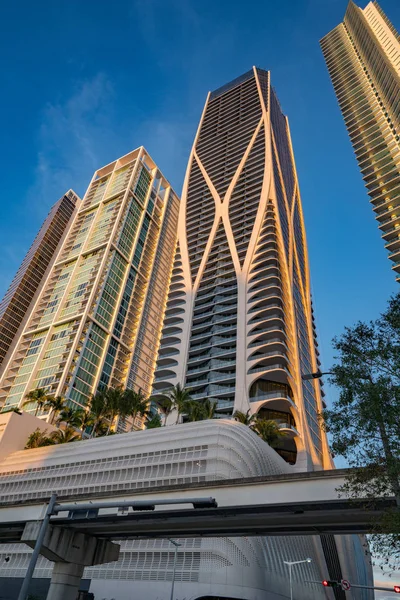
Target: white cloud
[(71, 135)]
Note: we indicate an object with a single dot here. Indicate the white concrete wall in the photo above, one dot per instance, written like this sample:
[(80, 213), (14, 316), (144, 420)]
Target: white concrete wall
[(15, 429)]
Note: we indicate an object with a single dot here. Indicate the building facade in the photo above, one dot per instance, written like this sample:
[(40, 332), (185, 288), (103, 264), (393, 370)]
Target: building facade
[(97, 320), (15, 305), (239, 325), (363, 59), (207, 568)]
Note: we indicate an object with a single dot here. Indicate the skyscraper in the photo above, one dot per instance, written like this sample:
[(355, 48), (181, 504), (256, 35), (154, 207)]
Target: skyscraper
[(239, 325), (97, 320), (26, 283), (363, 58)]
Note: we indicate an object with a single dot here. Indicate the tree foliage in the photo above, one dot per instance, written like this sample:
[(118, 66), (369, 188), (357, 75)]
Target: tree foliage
[(38, 397), (38, 439), (364, 422), (268, 430)]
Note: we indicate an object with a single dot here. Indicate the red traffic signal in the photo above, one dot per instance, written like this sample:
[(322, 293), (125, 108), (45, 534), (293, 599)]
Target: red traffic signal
[(397, 589), (329, 583)]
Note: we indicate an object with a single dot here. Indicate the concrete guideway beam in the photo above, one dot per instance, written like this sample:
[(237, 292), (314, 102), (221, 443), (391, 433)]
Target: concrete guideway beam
[(71, 551), (67, 545)]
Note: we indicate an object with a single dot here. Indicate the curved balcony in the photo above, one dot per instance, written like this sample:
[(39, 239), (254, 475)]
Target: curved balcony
[(262, 284), (174, 302), (164, 374), (171, 311), (211, 352), (273, 344), (213, 378), (264, 336), (276, 366), (172, 320), (165, 362), (267, 301), (216, 329), (274, 400), (164, 352), (263, 274), (266, 359), (274, 321), (288, 429), (276, 374), (169, 341), (172, 295), (272, 260), (171, 330)]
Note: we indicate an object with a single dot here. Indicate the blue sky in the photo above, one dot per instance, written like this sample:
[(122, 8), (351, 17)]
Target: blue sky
[(86, 82)]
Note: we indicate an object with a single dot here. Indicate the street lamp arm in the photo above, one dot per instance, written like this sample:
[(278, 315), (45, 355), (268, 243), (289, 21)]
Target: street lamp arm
[(315, 375)]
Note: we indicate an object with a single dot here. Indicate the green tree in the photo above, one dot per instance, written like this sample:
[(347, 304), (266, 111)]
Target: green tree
[(56, 405), (115, 403), (164, 404), (208, 408), (193, 410), (135, 405), (153, 421), (37, 439), (178, 397), (70, 416), (364, 422), (268, 430), (39, 396), (244, 418), (98, 409), (64, 436), (86, 420)]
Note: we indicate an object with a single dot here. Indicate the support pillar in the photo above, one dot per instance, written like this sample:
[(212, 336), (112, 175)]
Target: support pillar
[(71, 551), (65, 581)]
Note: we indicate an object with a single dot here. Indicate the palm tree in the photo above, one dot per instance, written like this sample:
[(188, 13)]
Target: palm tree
[(70, 416), (86, 419), (244, 418), (39, 396), (178, 397), (164, 404), (38, 439), (64, 436), (268, 430), (135, 404), (98, 409), (193, 410), (115, 404), (208, 408), (56, 404), (153, 421)]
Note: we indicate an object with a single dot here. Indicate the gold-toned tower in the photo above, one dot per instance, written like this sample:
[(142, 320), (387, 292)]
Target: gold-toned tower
[(98, 318), (239, 326), (27, 282), (363, 58)]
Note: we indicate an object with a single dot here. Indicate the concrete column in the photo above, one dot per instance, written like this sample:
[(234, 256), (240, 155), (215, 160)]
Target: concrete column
[(71, 551), (65, 581)]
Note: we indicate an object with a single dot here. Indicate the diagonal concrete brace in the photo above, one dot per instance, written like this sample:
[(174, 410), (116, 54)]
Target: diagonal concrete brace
[(67, 545)]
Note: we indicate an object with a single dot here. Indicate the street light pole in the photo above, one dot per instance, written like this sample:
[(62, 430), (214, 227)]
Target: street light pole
[(290, 564), (36, 551), (176, 544), (316, 375)]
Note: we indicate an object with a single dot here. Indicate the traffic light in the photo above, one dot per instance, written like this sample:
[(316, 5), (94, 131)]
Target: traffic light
[(328, 583), (397, 589)]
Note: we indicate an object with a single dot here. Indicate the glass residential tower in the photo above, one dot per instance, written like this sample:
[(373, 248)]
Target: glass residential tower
[(363, 58), (239, 325), (14, 307), (97, 320)]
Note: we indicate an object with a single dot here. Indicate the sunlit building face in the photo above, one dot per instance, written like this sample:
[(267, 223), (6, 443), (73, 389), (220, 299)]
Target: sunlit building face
[(363, 58)]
